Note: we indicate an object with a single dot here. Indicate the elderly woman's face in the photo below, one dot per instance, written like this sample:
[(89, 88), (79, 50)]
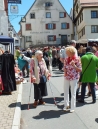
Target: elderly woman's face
[(40, 56), (69, 54)]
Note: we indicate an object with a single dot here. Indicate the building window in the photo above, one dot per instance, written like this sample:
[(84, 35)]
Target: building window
[(82, 16), (28, 39), (77, 8), (64, 25), (50, 26), (94, 14), (28, 26), (94, 29), (48, 15), (83, 31), (80, 19), (16, 41), (78, 22), (14, 35), (32, 15), (9, 29), (62, 14), (48, 4), (52, 38)]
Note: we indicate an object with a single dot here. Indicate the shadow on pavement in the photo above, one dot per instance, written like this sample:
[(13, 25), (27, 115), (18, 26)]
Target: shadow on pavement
[(58, 73), (25, 106), (51, 100), (50, 114), (13, 105), (58, 76), (96, 120)]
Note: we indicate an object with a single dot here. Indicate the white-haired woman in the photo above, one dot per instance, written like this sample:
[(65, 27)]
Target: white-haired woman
[(72, 67), (39, 75)]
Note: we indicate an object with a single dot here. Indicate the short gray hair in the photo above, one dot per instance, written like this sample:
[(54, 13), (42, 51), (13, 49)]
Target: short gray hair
[(38, 52), (72, 42)]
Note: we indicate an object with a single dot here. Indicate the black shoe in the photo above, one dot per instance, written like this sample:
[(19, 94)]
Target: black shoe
[(94, 101), (78, 96), (81, 101), (26, 76)]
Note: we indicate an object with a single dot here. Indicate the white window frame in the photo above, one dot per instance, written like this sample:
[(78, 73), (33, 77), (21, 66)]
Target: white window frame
[(50, 26), (28, 38), (48, 14), (31, 15), (61, 14), (94, 29), (93, 15), (62, 26), (50, 37)]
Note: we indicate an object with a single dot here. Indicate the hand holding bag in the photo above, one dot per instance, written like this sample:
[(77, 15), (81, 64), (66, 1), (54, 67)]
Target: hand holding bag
[(43, 78)]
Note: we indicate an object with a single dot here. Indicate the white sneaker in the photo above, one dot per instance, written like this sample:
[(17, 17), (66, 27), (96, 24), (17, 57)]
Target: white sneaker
[(66, 108), (72, 111)]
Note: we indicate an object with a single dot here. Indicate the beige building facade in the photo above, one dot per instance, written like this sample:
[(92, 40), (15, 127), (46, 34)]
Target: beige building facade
[(46, 23), (85, 17)]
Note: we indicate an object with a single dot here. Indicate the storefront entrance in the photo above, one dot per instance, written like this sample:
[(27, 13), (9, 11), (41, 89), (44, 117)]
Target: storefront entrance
[(64, 40)]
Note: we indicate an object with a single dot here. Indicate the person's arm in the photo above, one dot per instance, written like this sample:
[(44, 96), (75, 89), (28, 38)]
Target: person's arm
[(77, 66), (33, 79), (26, 58)]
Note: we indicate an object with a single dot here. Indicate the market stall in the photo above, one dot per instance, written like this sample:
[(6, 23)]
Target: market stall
[(8, 42), (10, 74), (86, 42)]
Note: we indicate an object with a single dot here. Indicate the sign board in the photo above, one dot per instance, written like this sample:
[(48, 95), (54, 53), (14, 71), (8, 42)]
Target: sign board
[(14, 9), (14, 1)]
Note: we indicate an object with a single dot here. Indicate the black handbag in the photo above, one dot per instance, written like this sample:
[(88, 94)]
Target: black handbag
[(85, 69), (43, 78)]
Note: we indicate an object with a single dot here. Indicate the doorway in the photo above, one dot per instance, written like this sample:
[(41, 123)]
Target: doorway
[(64, 40)]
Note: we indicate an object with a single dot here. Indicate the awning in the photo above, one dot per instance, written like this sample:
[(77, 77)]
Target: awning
[(84, 41), (5, 40)]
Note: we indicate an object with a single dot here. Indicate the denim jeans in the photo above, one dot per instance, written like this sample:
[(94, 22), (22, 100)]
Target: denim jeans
[(92, 87)]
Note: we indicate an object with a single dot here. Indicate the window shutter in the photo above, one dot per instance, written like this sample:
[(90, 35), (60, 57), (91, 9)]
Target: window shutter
[(97, 14), (46, 26), (67, 25), (28, 26), (54, 37), (64, 14), (54, 26), (47, 38)]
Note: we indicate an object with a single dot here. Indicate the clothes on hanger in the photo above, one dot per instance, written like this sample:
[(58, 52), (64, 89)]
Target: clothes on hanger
[(8, 72)]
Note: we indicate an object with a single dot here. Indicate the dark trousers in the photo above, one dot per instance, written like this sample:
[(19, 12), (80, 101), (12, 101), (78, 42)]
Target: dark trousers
[(92, 87), (40, 90), (54, 62), (27, 69)]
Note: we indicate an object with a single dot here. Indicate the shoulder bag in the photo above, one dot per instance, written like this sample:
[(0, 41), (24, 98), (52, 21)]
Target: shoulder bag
[(85, 69), (43, 78)]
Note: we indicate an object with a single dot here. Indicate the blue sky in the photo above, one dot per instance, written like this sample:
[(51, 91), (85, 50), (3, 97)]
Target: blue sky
[(24, 7)]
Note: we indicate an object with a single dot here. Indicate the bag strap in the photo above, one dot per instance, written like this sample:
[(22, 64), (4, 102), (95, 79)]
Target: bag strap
[(87, 65), (40, 69)]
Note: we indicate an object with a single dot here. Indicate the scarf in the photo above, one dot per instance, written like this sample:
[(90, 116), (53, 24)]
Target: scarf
[(70, 59)]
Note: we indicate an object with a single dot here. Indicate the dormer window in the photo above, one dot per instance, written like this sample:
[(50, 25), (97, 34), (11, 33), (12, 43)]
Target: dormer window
[(32, 15), (48, 4)]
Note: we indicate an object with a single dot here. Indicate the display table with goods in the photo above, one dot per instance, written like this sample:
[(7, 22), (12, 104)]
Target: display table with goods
[(18, 75)]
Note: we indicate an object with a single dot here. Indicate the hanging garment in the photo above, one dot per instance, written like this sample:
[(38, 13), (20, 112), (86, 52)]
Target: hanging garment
[(7, 72)]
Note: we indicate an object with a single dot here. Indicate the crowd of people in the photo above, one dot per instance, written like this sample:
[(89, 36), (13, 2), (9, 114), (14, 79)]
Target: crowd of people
[(76, 65)]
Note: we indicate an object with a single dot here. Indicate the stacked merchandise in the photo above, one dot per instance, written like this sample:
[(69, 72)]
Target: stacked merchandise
[(18, 75)]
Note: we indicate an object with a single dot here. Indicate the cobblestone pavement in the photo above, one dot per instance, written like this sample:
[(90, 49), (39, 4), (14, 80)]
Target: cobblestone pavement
[(7, 109)]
